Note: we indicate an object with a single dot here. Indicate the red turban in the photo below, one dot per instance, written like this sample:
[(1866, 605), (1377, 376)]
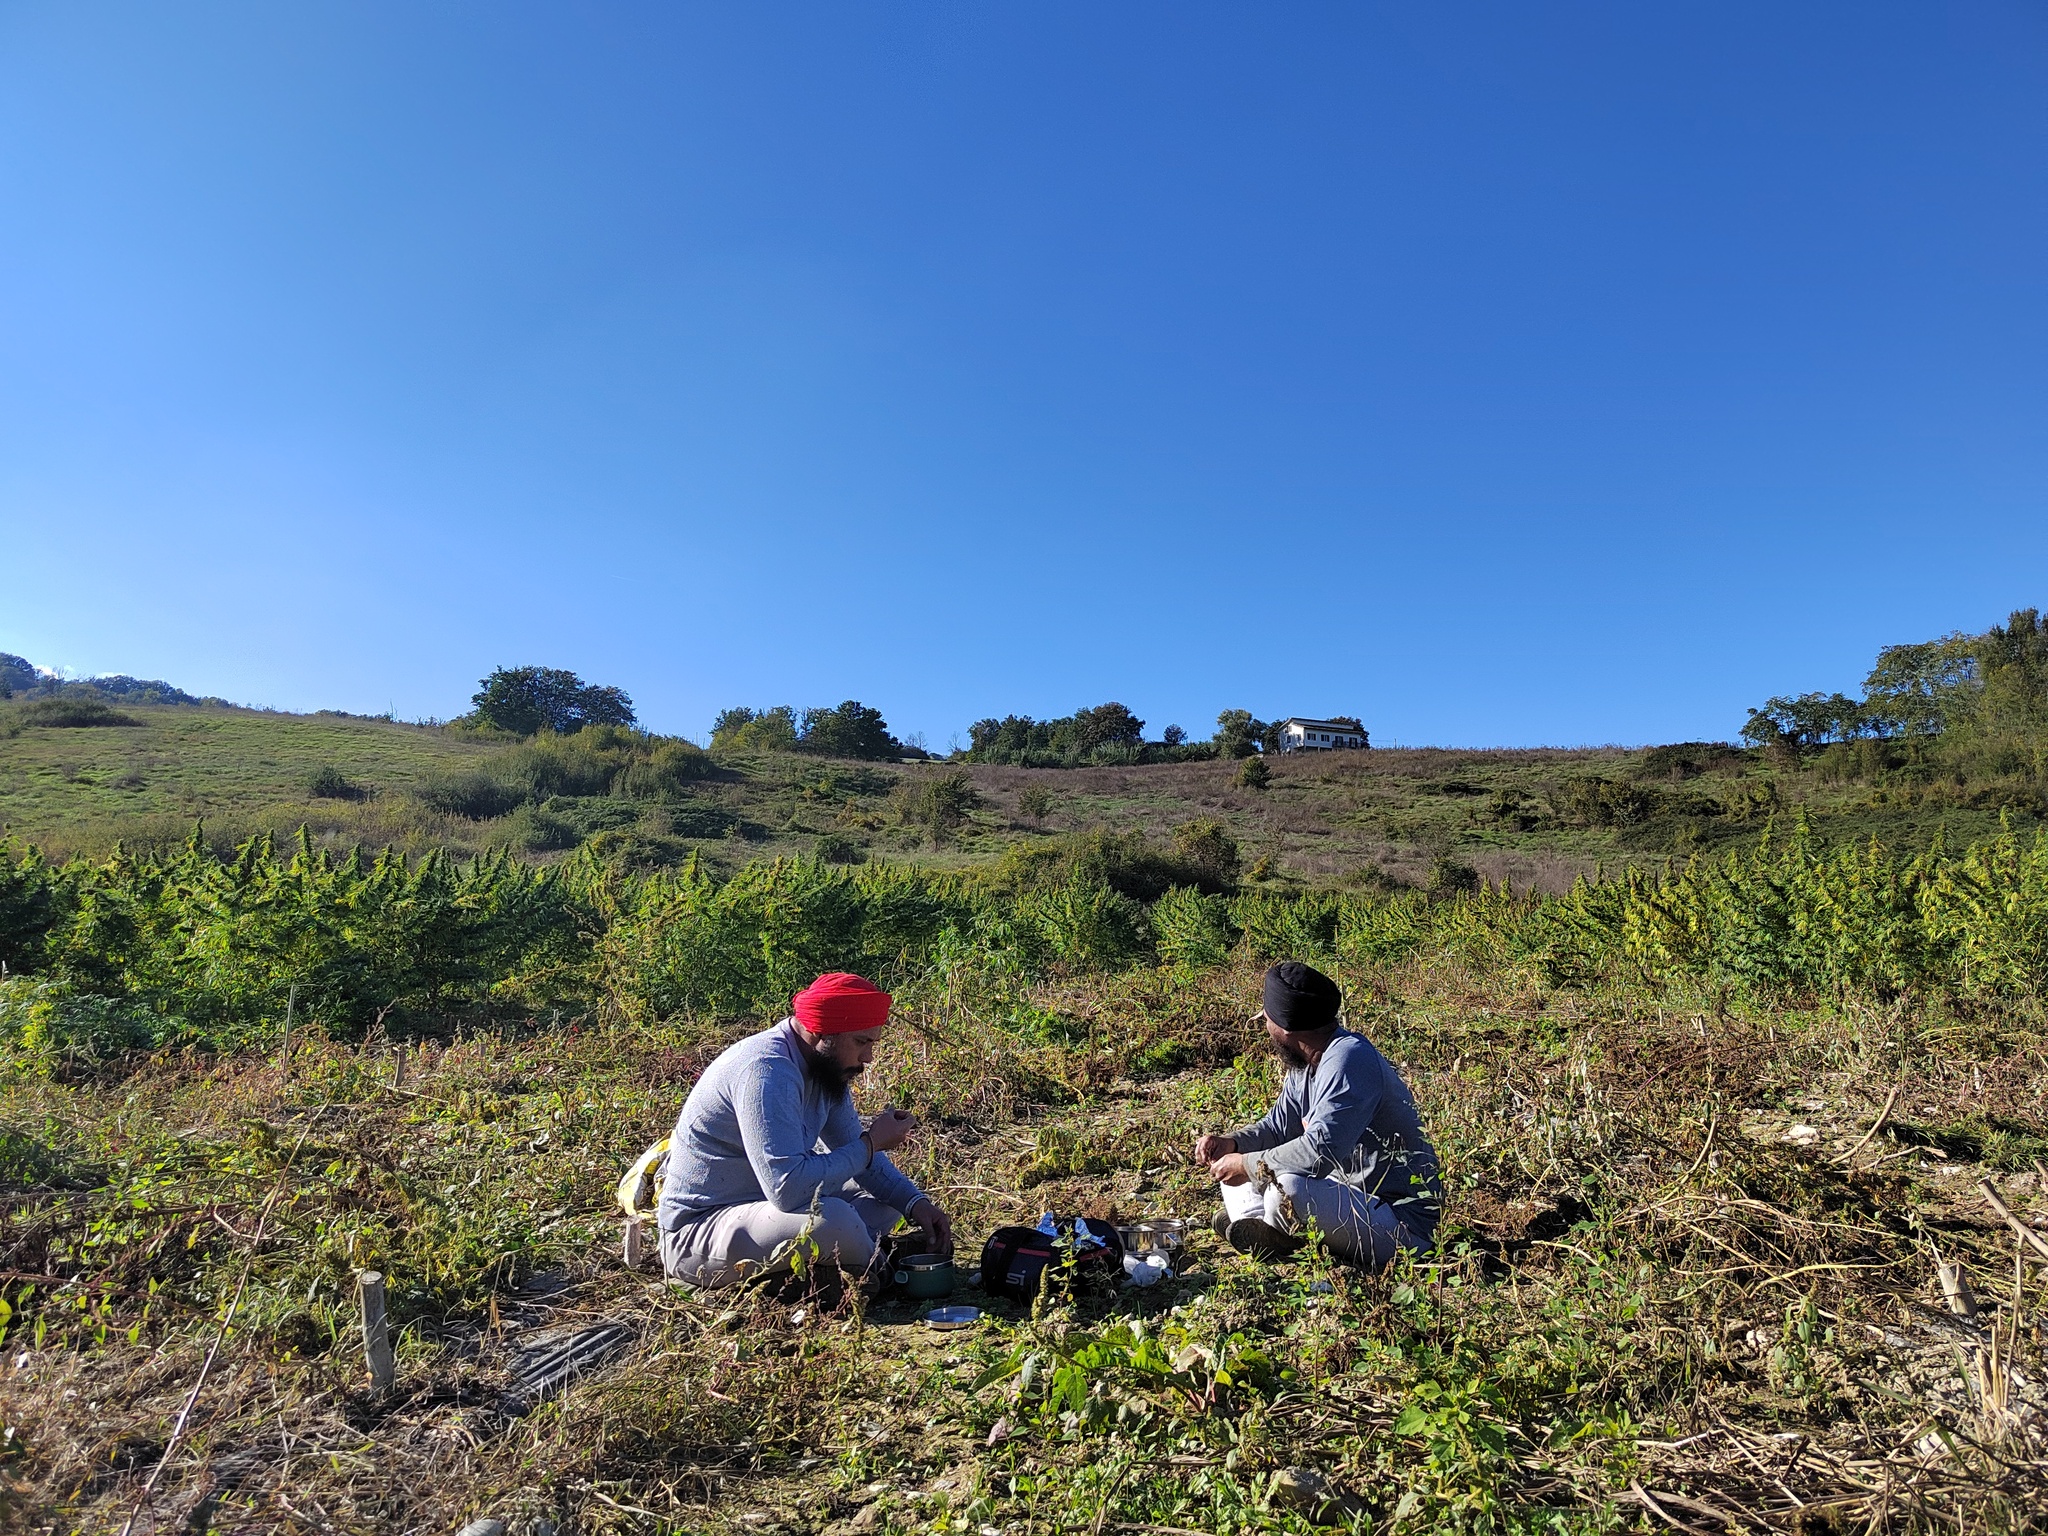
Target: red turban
[(838, 1003)]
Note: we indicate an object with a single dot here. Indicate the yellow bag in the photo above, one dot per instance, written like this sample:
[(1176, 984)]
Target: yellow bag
[(640, 1189)]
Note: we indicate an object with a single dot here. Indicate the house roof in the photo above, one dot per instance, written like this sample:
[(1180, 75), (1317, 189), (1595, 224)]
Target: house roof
[(1323, 725)]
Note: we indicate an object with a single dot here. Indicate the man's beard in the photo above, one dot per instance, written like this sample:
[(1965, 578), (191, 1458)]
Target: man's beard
[(832, 1077), (1292, 1056)]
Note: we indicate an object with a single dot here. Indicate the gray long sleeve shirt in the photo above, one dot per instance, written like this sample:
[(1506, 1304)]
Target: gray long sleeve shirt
[(757, 1126), (1350, 1118)]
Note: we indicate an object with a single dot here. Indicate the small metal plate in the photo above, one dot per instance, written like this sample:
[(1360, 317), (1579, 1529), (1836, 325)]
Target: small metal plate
[(952, 1317)]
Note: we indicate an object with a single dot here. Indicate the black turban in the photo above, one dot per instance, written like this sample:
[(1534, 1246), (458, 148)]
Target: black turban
[(1301, 999)]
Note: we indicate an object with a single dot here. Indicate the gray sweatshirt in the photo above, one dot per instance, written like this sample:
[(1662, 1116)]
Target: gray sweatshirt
[(1350, 1118), (757, 1127)]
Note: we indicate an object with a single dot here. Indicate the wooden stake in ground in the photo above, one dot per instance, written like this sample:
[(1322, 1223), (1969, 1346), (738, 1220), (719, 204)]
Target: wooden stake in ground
[(1955, 1289), (632, 1243), (284, 1052), (376, 1332)]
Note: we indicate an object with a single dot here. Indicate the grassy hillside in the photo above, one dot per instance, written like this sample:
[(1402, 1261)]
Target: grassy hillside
[(78, 789), (1537, 817)]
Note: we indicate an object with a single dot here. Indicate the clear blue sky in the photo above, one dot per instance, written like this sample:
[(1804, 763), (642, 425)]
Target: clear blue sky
[(1501, 374)]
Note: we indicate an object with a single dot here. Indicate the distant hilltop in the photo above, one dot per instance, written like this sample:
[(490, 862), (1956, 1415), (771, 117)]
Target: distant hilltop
[(21, 677)]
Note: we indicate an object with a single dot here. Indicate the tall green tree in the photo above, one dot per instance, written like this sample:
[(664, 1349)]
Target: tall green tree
[(851, 730), (1239, 733), (529, 700)]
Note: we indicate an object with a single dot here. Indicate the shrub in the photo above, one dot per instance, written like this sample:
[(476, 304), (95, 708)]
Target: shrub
[(1451, 877), (1207, 851), (539, 829), (1286, 927), (1254, 774), (475, 795), (1598, 802), (67, 712), (562, 765), (746, 730), (1192, 931), (46, 1021), (1034, 803), (327, 782), (665, 772), (938, 803), (837, 848), (1127, 862), (687, 942)]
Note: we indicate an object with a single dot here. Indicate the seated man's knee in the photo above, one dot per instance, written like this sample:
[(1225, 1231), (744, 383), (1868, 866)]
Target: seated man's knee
[(841, 1235)]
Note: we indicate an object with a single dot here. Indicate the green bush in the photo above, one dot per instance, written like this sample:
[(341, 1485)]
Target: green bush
[(1284, 927), (328, 782), (1083, 925), (666, 772), (42, 1021), (474, 795), (223, 943), (33, 897), (938, 803), (541, 829), (689, 943), (68, 712), (1192, 931)]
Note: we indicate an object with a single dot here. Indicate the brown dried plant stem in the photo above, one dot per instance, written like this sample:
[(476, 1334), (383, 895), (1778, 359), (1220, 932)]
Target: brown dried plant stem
[(2026, 1233)]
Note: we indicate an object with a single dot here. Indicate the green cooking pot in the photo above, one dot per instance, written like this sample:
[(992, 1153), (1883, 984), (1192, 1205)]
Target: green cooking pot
[(924, 1275)]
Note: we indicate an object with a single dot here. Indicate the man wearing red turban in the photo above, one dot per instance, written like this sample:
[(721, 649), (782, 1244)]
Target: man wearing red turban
[(770, 1156)]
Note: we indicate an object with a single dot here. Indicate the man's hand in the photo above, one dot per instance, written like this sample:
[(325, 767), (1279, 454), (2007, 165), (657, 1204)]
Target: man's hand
[(1230, 1169), (890, 1129), (1209, 1148), (937, 1225)]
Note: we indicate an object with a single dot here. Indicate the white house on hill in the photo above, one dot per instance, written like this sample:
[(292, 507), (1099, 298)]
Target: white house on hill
[(1298, 735)]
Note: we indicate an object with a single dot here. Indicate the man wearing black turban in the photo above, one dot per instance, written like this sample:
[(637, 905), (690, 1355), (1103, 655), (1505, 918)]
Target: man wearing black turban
[(1342, 1150)]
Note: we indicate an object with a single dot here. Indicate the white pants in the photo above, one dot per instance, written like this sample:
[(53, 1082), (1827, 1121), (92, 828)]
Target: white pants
[(1359, 1227), (725, 1246)]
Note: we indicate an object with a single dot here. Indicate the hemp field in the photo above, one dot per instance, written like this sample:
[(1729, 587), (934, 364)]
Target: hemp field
[(1684, 1284)]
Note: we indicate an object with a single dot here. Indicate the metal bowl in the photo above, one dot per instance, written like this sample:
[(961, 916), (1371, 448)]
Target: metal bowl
[(952, 1317), (1165, 1234)]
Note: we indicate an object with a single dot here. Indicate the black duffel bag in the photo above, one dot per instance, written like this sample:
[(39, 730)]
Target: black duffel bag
[(1014, 1259)]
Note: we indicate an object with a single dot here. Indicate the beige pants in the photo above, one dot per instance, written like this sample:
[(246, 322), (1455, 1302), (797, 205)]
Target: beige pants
[(725, 1246)]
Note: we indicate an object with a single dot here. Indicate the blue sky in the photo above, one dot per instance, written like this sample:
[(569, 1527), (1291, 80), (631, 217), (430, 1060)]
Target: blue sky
[(1500, 374)]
